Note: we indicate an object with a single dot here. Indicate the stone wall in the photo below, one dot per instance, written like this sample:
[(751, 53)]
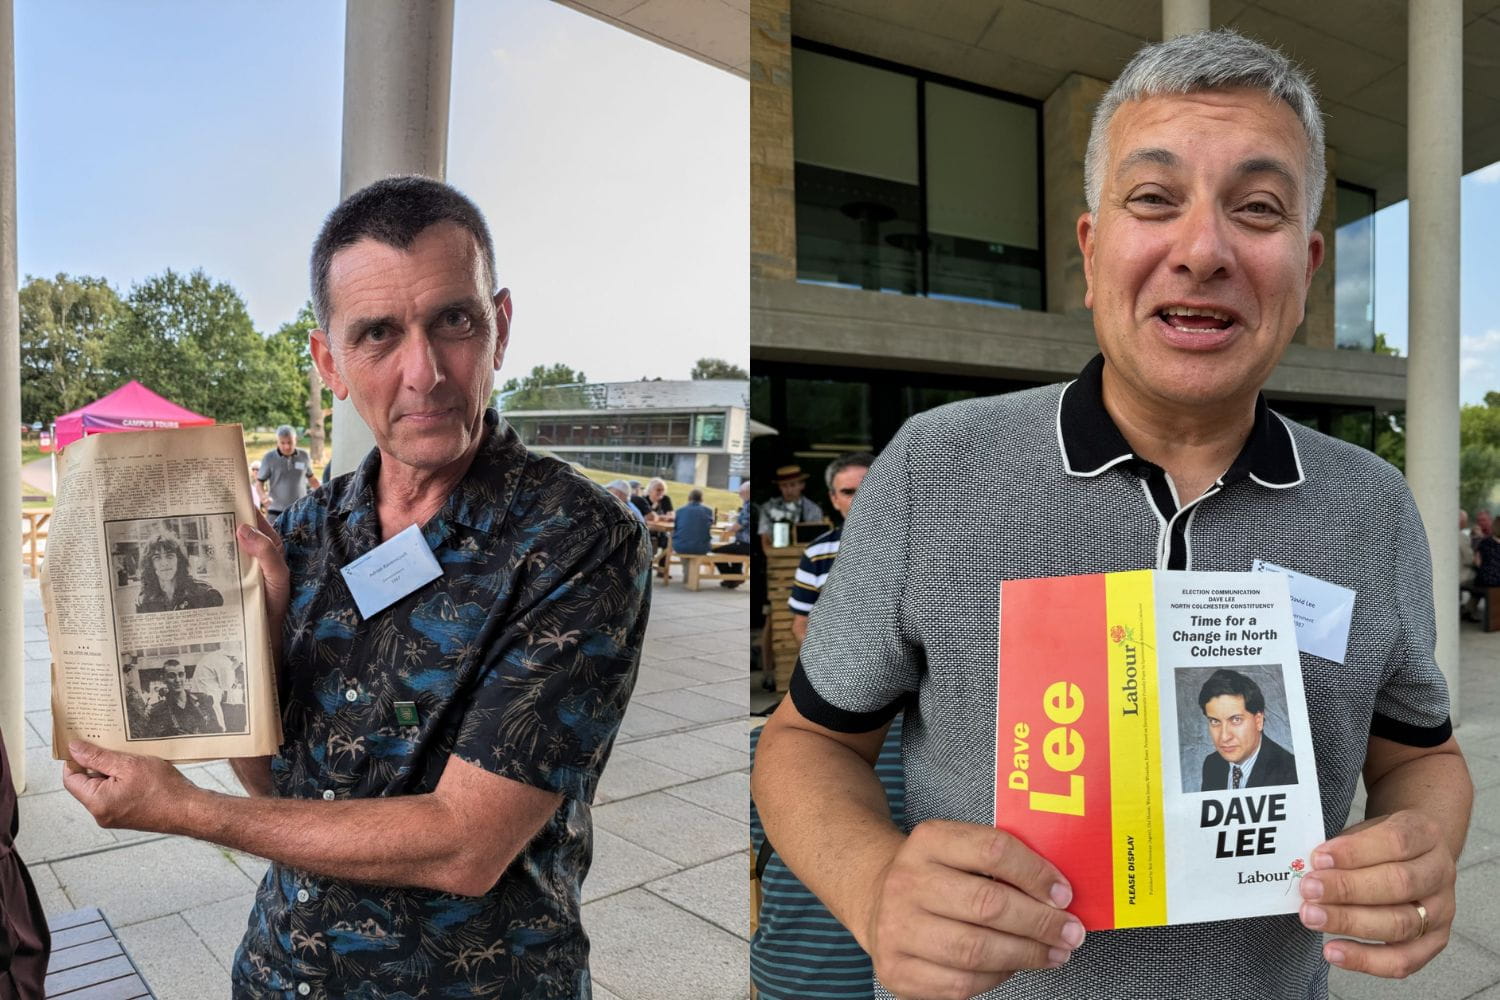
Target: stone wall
[(773, 210)]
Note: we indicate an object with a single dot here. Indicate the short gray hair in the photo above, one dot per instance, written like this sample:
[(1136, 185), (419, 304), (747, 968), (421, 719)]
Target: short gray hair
[(285, 430), (848, 460), (618, 484), (1209, 60)]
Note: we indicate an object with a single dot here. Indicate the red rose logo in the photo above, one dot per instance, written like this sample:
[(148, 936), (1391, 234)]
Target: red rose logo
[(1297, 865), (1117, 633)]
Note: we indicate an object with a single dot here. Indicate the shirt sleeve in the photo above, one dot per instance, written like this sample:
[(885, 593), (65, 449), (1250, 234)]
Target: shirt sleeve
[(859, 662), (556, 676), (805, 587), (1412, 704)]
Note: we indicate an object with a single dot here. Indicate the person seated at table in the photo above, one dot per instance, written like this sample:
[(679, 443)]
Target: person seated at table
[(167, 584), (740, 546), (658, 508), (694, 525), (620, 490), (638, 498)]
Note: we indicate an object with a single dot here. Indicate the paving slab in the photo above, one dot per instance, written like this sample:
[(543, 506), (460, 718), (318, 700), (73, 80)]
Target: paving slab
[(37, 695), (653, 677), (1457, 972), (691, 705), (173, 959), (620, 865), (726, 794), (732, 691), (706, 671), (253, 867), (686, 752), (139, 882), (221, 925), (49, 890), (43, 774), (41, 722), (664, 651), (53, 825), (645, 948), (716, 891), (642, 720), (628, 775), (673, 828)]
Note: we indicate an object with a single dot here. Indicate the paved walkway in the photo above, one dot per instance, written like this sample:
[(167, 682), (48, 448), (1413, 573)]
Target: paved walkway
[(665, 904), (1470, 966)]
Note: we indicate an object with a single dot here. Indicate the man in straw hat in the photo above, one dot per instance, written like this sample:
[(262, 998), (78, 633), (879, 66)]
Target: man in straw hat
[(792, 507)]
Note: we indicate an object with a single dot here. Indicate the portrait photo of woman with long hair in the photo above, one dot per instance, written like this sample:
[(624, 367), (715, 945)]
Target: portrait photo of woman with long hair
[(167, 583)]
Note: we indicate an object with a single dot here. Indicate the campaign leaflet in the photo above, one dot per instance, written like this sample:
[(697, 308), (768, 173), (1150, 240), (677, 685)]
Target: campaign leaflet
[(1152, 742)]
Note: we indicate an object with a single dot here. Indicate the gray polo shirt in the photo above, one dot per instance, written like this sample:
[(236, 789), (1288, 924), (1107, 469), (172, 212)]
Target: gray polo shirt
[(1041, 483), (286, 476)]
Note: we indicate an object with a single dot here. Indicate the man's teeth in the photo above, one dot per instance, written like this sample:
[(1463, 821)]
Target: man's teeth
[(1170, 312)]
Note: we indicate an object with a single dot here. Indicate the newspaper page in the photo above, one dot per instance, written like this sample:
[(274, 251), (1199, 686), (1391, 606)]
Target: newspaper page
[(1153, 743), (155, 617)]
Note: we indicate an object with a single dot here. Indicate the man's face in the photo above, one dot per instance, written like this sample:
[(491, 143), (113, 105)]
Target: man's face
[(176, 678), (1235, 731), (1482, 521), (791, 491), (414, 341), (286, 444), (1201, 209), (844, 485)]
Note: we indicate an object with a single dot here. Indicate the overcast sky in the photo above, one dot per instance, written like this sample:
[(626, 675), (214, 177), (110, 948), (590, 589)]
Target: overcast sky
[(183, 134)]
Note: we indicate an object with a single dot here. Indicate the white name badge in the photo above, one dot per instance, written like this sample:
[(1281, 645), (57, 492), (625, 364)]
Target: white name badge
[(390, 571), (1322, 611)]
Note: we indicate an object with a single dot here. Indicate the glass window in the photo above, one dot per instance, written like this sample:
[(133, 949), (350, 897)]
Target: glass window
[(906, 184), (1354, 268), (982, 219)]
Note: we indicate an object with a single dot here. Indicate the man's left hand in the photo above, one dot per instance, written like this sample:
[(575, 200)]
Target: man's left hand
[(1368, 883), (124, 789)]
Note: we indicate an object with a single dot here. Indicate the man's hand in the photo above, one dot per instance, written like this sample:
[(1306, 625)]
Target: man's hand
[(125, 790), (264, 545), (1368, 881), (961, 907)]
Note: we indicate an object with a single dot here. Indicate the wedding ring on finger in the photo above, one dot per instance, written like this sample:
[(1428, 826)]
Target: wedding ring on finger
[(1422, 916)]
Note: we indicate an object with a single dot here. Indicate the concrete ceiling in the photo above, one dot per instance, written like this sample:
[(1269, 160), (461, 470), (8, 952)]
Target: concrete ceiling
[(1354, 49), (713, 31)]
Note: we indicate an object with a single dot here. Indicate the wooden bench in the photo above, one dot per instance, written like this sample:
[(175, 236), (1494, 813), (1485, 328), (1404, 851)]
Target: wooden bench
[(698, 568), (89, 963)]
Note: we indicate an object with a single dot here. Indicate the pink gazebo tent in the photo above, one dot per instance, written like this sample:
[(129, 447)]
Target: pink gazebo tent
[(132, 407)]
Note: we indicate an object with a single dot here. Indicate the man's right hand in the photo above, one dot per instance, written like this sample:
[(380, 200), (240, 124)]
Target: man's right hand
[(961, 908)]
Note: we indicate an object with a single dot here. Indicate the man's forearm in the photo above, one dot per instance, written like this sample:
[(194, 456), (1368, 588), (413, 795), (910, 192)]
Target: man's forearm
[(826, 814), (402, 840), (1436, 785)]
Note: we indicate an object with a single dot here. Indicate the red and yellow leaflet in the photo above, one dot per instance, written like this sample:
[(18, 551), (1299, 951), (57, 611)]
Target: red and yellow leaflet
[(1053, 779)]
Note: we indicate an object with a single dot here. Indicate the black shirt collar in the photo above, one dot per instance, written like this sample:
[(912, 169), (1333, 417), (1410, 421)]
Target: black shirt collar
[(1091, 443)]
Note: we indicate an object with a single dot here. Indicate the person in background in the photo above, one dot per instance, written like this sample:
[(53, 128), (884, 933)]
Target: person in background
[(1469, 611), (288, 469), (791, 507), (620, 489), (799, 948), (658, 508), (257, 496), (638, 498), (25, 942), (693, 526), (741, 544), (1481, 529)]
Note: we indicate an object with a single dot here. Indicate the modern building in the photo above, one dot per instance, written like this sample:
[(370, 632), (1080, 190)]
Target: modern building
[(917, 176), (691, 432)]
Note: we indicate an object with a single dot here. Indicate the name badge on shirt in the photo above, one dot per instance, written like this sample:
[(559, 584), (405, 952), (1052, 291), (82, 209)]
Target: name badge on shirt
[(390, 571), (1322, 611)]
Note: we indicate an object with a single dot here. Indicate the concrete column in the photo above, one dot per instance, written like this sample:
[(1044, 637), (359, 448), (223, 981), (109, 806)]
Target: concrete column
[(12, 618), (1318, 328), (398, 59), (773, 197), (1434, 165), (1183, 17), (1067, 116)]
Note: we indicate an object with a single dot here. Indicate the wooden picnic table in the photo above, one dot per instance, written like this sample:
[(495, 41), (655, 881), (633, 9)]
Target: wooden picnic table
[(36, 529)]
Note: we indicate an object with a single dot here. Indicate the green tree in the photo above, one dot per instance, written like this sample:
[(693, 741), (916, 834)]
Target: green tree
[(716, 368), (64, 324), (1382, 347), (1390, 438), (548, 387), (191, 339)]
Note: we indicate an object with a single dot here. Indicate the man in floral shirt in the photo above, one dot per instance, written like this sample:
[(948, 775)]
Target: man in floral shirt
[(427, 816)]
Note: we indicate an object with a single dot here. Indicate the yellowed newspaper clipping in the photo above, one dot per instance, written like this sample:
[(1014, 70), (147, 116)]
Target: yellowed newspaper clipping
[(156, 619)]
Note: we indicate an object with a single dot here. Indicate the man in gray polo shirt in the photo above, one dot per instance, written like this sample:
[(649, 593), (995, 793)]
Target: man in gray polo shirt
[(1204, 177), (288, 470)]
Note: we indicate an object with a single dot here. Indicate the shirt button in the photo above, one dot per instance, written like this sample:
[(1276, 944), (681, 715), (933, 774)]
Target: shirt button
[(302, 895), (351, 695), (304, 989), (328, 795)]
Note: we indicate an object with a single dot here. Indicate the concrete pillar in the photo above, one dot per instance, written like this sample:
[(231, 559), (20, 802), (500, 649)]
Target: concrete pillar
[(398, 59), (1318, 327), (1434, 165), (773, 198), (1183, 17), (1066, 118), (12, 618)]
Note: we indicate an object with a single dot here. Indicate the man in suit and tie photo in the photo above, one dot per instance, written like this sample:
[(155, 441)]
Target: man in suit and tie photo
[(1243, 757)]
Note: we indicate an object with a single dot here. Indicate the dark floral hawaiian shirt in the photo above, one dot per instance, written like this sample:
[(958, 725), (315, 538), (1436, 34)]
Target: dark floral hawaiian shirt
[(519, 659)]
